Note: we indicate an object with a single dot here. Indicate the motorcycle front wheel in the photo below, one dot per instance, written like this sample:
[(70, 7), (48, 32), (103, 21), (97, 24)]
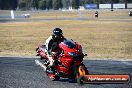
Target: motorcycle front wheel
[(81, 72)]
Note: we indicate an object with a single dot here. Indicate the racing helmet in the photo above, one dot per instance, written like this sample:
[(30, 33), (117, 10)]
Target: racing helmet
[(57, 34)]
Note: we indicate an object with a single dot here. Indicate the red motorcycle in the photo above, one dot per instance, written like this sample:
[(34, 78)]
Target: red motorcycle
[(68, 63)]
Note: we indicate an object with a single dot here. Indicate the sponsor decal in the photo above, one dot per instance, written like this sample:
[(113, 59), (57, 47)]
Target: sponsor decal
[(107, 78)]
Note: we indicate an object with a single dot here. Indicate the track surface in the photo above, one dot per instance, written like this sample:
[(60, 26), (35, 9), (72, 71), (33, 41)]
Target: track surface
[(17, 72), (121, 19)]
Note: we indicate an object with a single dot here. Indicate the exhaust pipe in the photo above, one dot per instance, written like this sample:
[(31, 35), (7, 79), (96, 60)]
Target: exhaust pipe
[(40, 64)]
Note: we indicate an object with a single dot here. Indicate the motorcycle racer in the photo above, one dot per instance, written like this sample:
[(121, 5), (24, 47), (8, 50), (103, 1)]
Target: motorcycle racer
[(52, 43), (61, 57)]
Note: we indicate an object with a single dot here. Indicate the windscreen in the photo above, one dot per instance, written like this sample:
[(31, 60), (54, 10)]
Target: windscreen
[(69, 43)]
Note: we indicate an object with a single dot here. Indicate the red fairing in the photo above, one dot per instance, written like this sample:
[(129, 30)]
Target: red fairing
[(68, 46), (62, 69), (71, 55)]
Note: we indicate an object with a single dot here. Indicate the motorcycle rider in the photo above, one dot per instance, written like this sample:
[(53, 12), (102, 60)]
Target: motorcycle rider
[(96, 14), (52, 43)]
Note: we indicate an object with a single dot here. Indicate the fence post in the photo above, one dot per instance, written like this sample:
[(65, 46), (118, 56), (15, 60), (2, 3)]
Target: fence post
[(111, 5), (125, 4)]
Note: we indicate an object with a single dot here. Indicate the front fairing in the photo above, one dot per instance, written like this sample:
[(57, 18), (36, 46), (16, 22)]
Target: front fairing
[(70, 48), (70, 55)]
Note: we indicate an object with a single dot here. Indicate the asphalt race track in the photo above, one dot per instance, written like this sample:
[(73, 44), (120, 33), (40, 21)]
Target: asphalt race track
[(18, 72)]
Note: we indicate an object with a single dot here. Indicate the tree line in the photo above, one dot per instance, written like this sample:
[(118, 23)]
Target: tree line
[(52, 4)]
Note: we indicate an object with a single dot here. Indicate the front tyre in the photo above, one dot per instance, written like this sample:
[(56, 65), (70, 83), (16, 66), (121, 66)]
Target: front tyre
[(81, 80), (81, 72)]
